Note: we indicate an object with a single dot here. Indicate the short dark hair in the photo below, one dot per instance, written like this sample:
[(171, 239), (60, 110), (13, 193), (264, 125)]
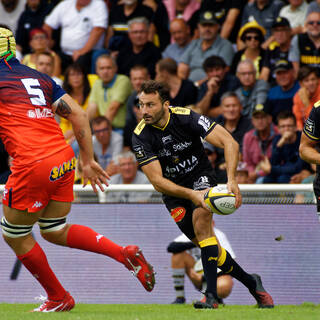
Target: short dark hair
[(153, 86), (305, 71), (286, 114), (169, 65), (100, 119), (213, 62)]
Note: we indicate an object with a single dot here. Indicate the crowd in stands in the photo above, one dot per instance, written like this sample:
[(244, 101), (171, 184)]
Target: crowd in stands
[(253, 66)]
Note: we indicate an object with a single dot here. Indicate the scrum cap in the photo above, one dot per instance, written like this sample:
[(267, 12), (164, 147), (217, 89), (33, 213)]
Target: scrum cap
[(7, 44)]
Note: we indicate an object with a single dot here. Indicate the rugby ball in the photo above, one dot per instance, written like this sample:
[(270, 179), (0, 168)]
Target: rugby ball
[(220, 201)]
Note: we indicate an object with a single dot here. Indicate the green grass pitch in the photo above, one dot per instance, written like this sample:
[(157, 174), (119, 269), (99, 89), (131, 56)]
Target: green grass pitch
[(305, 311)]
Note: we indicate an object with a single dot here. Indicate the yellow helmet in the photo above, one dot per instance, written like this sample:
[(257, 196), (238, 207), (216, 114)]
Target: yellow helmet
[(7, 44)]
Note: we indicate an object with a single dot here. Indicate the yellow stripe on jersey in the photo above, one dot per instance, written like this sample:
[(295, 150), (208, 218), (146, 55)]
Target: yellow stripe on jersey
[(180, 110), (317, 104), (139, 127), (147, 160), (208, 242), (310, 136)]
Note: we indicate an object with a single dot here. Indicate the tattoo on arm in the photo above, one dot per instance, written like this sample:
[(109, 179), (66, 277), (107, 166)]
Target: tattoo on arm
[(63, 109)]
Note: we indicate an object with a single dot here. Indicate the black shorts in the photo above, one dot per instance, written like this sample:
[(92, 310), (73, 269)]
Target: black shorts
[(181, 210), (316, 188)]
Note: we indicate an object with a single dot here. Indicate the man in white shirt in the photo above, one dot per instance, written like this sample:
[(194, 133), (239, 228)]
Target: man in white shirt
[(83, 24)]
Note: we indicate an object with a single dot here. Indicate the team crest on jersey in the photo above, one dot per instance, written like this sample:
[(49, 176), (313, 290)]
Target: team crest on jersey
[(140, 153), (178, 214), (201, 183), (309, 126), (4, 194), (58, 172), (167, 139)]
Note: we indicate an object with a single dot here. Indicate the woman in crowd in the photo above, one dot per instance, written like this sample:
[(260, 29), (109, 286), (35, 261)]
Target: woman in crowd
[(252, 35)]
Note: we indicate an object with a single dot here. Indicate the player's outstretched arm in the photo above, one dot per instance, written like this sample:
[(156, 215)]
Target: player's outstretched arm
[(308, 150), (221, 138), (66, 107), (153, 172)]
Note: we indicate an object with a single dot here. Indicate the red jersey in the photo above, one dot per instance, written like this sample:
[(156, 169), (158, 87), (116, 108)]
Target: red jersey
[(28, 128)]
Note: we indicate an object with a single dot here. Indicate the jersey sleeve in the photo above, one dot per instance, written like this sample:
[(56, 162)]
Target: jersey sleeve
[(311, 126), (142, 150), (57, 91), (200, 124)]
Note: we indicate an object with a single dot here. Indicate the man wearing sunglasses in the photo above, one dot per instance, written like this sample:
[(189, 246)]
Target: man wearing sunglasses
[(305, 47)]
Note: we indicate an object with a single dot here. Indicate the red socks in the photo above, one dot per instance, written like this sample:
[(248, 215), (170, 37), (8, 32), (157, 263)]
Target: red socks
[(84, 238), (36, 262)]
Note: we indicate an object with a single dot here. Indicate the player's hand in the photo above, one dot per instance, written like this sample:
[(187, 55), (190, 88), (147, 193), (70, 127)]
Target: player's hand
[(234, 188), (95, 174), (197, 197)]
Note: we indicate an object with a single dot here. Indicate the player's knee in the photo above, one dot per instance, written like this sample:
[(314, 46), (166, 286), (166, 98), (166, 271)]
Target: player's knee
[(224, 286), (52, 228), (13, 231)]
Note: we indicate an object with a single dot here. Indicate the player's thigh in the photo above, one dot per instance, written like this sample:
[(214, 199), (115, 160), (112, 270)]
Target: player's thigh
[(21, 217), (202, 223), (56, 209)]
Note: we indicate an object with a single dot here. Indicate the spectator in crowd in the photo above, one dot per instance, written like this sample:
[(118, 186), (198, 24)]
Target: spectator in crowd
[(85, 34), (285, 161), (295, 12), (139, 50), (4, 164), (218, 82), (122, 12), (106, 144), (228, 14), (252, 36), (10, 11), (278, 50), (39, 43), (76, 84), (305, 46), (242, 173), (180, 34), (128, 174), (181, 8), (182, 91), (208, 44), (280, 97), (307, 96), (186, 260), (257, 143), (109, 93), (251, 91), (234, 122), (45, 64), (32, 17), (265, 12), (138, 74), (313, 6)]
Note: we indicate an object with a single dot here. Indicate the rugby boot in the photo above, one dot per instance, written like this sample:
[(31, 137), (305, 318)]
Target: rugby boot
[(66, 304), (207, 302), (263, 298), (179, 300), (140, 268)]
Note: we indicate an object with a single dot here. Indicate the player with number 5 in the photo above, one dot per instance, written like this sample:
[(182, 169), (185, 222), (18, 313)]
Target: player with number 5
[(168, 147), (40, 188)]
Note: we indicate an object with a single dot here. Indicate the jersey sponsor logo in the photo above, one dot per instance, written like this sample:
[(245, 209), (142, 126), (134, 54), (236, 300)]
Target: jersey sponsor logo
[(182, 167), (139, 152), (180, 110), (201, 183), (164, 153), (182, 145), (167, 139), (204, 122), (37, 204), (178, 214), (40, 113), (309, 126), (58, 172)]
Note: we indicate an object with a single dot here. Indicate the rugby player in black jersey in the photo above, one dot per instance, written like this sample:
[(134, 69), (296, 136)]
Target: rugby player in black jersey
[(167, 144), (309, 147)]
